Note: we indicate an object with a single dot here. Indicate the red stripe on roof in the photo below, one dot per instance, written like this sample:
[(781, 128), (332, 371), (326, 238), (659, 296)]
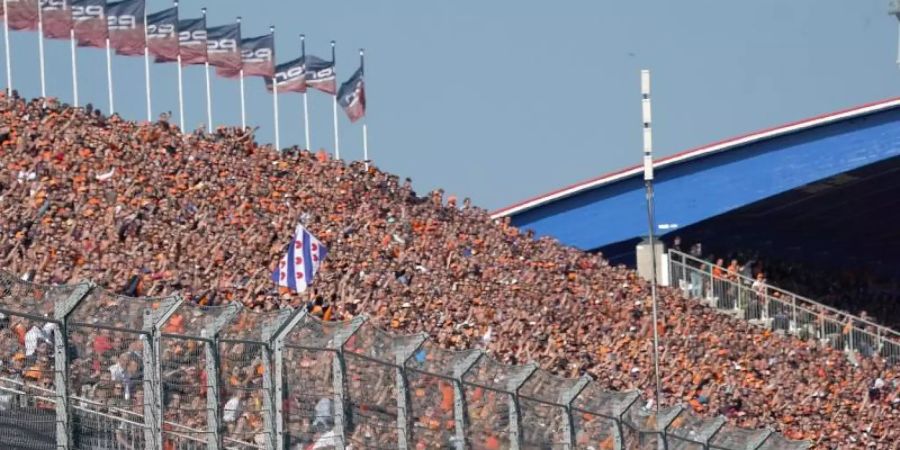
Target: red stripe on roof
[(715, 147)]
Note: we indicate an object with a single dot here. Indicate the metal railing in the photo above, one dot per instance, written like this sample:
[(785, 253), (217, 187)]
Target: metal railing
[(82, 368), (779, 310)]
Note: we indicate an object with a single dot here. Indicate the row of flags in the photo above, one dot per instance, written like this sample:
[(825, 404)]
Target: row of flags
[(130, 31)]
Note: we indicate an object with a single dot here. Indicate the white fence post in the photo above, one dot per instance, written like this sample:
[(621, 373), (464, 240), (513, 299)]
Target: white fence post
[(62, 309)]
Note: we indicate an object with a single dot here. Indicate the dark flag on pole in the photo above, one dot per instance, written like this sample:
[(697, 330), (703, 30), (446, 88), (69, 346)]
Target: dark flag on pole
[(57, 15), (290, 76), (223, 49), (320, 74), (125, 22), (89, 20), (352, 96), (162, 35), (258, 55), (22, 15), (192, 41)]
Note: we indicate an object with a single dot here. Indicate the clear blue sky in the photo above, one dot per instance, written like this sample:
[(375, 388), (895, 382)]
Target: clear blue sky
[(502, 100)]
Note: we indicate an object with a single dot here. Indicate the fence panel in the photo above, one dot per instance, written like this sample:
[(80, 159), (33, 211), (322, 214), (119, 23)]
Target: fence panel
[(492, 410), (376, 387), (33, 414), (245, 378), (597, 414), (434, 380), (645, 427), (110, 366), (312, 377), (189, 366), (691, 432), (730, 437), (544, 401)]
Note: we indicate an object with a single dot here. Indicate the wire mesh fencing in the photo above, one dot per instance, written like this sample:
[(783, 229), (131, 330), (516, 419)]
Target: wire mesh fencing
[(85, 369)]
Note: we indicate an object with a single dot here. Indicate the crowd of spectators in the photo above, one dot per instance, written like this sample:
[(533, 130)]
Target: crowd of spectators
[(146, 210)]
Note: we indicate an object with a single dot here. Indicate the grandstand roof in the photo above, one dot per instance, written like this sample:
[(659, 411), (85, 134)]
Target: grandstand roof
[(706, 182)]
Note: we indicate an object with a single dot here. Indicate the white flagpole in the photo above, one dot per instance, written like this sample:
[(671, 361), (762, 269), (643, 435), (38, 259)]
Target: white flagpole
[(275, 99), (109, 77), (243, 105), (41, 47), (648, 182), (146, 68), (365, 128), (305, 101), (180, 93), (74, 66), (9, 82), (334, 103), (209, 121), (180, 81)]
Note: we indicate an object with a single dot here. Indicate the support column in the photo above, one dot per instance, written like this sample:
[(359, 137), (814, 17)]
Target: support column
[(460, 418), (155, 371), (338, 372), (515, 417), (62, 309), (401, 385), (567, 398), (214, 376)]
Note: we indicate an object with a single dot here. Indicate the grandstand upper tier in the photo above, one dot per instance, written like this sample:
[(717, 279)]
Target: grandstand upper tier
[(818, 190), (145, 210)]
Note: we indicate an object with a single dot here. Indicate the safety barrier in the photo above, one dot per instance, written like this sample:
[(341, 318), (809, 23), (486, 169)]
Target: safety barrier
[(84, 369), (779, 310)]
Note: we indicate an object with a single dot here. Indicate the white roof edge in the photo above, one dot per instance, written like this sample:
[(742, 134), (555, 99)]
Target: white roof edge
[(698, 152)]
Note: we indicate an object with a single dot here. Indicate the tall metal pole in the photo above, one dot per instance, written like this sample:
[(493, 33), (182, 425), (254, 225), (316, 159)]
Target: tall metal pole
[(365, 128), (180, 85), (209, 119), (8, 52), (648, 182), (147, 69), (74, 66), (305, 101), (337, 140), (109, 78), (275, 99), (41, 47), (241, 75)]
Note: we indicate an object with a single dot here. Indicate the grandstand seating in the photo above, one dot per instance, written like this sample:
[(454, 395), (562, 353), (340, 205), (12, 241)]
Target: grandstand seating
[(146, 211)]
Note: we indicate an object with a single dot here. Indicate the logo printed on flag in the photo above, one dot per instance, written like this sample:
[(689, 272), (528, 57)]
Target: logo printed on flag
[(290, 76), (162, 35), (300, 263), (222, 49), (89, 17), (258, 55), (125, 22), (320, 74), (352, 96), (192, 39)]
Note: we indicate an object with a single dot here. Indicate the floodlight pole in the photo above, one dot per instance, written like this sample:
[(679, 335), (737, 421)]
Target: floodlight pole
[(648, 182)]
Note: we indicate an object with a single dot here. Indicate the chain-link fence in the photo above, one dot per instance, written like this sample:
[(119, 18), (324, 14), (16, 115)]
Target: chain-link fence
[(82, 368), (780, 310)]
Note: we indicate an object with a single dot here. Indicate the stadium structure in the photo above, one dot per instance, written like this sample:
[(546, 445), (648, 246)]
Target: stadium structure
[(821, 190)]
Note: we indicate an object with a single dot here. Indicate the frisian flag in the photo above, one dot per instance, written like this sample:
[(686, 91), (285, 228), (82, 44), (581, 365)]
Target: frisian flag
[(258, 55), (223, 49), (192, 41), (352, 96), (320, 74), (300, 263), (125, 22), (89, 18), (22, 14), (162, 35), (290, 76), (57, 16)]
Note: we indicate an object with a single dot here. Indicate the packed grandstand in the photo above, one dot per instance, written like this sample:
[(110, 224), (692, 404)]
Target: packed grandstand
[(144, 210)]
